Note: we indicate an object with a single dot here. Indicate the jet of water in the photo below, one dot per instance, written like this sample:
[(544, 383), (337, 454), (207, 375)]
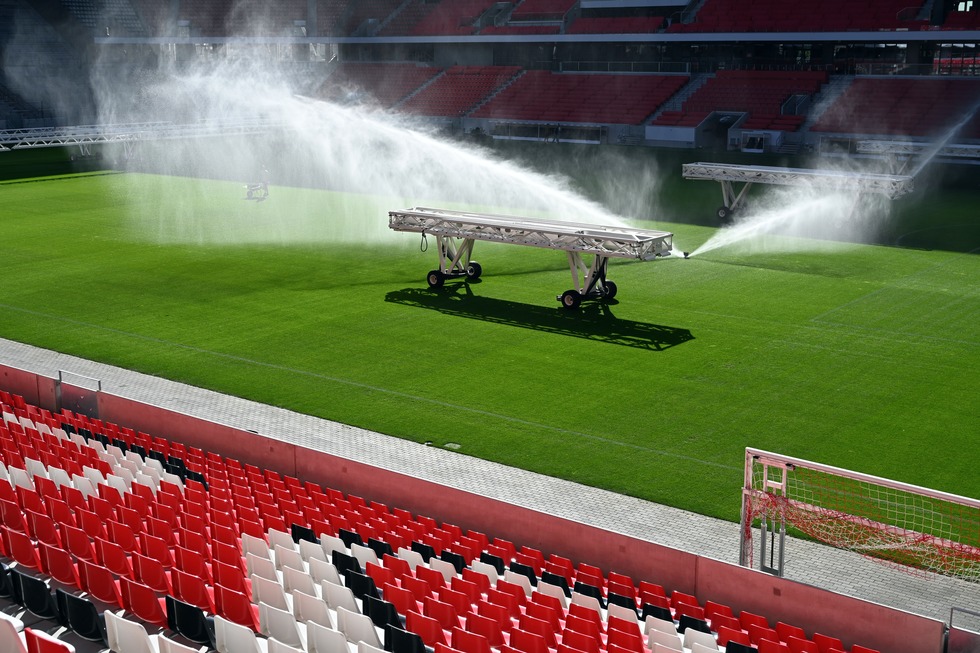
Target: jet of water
[(376, 161), (800, 219), (927, 155)]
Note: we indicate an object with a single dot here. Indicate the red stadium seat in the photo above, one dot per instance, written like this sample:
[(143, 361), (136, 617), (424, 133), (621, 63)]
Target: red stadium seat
[(143, 602)]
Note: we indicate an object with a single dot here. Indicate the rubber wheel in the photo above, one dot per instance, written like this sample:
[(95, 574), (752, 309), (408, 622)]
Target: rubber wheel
[(435, 278), (611, 289), (724, 213), (473, 270), (571, 299)]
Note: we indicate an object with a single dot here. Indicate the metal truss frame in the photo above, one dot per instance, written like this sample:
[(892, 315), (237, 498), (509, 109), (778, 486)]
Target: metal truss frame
[(911, 148), (87, 135), (456, 232), (727, 174)]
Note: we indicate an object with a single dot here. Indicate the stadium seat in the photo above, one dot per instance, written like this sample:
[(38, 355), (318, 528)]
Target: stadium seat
[(10, 639), (39, 641), (469, 642), (321, 639), (168, 645), (59, 565), (231, 637), (33, 593), (580, 641), (800, 645), (320, 571), (398, 640), (338, 596), (82, 616), (189, 621), (825, 642), (281, 625), (19, 546), (770, 646), (671, 641), (487, 628), (125, 636), (429, 629), (142, 601), (382, 613)]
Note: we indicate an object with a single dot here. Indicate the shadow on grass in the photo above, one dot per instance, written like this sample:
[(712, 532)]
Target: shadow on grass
[(593, 321)]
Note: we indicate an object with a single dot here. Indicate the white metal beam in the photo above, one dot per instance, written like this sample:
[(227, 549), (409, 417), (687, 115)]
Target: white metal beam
[(18, 139), (909, 148), (619, 242), (603, 242), (869, 182)]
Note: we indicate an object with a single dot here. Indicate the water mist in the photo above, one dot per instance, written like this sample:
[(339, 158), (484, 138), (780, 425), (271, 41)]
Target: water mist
[(801, 218), (375, 160)]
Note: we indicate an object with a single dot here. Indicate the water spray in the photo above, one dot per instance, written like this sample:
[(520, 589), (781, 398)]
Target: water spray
[(372, 158)]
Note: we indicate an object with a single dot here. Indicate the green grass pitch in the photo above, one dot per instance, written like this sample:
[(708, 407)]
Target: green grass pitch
[(867, 358)]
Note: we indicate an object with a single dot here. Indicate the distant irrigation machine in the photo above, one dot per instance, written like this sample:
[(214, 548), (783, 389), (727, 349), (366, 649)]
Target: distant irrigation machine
[(456, 231), (727, 175)]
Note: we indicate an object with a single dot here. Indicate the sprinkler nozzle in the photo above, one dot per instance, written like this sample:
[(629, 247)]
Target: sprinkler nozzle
[(687, 254)]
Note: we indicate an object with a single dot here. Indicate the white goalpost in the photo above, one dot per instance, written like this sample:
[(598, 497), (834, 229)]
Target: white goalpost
[(910, 527)]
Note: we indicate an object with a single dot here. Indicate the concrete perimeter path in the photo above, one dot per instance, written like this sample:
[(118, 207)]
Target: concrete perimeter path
[(814, 564)]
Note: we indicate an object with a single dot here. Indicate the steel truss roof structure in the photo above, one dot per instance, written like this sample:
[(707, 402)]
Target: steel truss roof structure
[(604, 242), (85, 135)]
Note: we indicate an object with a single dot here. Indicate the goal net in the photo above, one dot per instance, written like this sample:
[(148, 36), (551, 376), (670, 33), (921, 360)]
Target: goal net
[(914, 528)]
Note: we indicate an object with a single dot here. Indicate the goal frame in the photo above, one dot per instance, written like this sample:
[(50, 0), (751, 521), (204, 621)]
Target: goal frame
[(774, 481)]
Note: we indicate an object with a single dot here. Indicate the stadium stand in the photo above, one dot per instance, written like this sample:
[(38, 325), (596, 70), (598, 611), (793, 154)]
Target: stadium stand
[(345, 17), (108, 16), (448, 18), (542, 10), (778, 16), (252, 17), (156, 17), (616, 25), (519, 28), (962, 19), (204, 18), (15, 111), (761, 94), (385, 83), (402, 22), (257, 537), (928, 106), (541, 95), (458, 90)]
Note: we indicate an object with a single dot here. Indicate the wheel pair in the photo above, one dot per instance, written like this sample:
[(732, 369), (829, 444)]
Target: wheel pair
[(436, 278)]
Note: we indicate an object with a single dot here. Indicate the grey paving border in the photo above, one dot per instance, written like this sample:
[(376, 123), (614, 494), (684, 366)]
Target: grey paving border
[(814, 564)]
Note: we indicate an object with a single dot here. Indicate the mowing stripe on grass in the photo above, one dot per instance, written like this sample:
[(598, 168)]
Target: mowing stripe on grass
[(372, 388)]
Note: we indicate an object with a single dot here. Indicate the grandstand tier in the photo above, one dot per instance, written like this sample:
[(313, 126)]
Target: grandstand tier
[(760, 94), (923, 107), (172, 533), (540, 95)]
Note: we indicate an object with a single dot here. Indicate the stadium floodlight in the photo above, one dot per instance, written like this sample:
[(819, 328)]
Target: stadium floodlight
[(892, 186), (456, 231)]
